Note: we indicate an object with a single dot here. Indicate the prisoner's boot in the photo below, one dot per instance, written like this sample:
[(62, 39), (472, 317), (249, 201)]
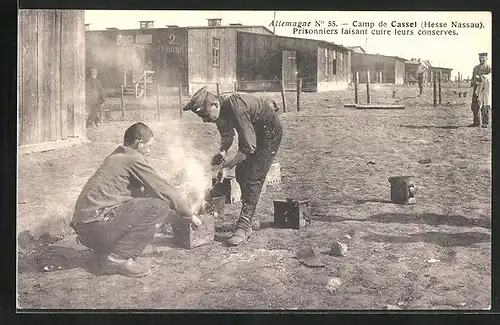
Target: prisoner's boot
[(244, 226), (130, 267), (242, 233), (476, 120), (255, 223)]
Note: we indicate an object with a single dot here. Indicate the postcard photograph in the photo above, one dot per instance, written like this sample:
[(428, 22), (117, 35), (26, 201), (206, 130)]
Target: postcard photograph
[(254, 160)]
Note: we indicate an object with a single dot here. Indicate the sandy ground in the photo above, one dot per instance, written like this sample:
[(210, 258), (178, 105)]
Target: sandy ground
[(432, 255)]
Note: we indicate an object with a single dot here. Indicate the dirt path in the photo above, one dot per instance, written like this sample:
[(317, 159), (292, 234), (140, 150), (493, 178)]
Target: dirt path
[(432, 255)]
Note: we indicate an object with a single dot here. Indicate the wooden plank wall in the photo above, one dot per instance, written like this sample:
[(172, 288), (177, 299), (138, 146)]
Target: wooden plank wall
[(392, 73), (336, 72), (200, 68), (400, 72), (28, 81), (259, 56), (79, 74), (67, 77), (168, 53), (321, 66), (51, 75)]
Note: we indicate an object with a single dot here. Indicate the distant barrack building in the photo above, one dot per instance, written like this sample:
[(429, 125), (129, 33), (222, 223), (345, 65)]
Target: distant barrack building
[(383, 68), (411, 67), (235, 56)]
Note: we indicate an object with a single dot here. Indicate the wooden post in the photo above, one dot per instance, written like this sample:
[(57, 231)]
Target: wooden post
[(235, 86), (180, 101), (439, 86), (218, 89), (356, 85), (283, 95), (121, 100), (299, 89), (158, 101), (434, 85), (368, 86), (141, 107), (458, 80)]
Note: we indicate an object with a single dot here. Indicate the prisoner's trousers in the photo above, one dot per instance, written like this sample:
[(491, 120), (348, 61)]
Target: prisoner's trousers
[(94, 111), (127, 229), (479, 114), (252, 172), (420, 80)]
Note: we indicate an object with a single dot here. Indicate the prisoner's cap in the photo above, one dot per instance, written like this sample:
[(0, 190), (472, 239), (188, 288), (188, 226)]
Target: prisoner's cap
[(196, 103), (484, 54)]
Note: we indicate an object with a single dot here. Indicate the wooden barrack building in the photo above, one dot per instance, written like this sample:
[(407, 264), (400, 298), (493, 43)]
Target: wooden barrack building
[(51, 79)]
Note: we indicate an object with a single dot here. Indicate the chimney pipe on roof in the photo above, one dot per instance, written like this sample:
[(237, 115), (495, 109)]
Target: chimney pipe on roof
[(143, 24), (212, 22)]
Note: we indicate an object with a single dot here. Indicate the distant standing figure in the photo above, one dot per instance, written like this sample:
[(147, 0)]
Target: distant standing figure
[(422, 68), (480, 83), (94, 99)]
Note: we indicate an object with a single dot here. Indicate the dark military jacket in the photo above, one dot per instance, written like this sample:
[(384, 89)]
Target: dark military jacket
[(247, 115)]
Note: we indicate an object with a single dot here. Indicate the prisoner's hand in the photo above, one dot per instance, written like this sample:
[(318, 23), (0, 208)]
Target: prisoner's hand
[(195, 221), (218, 159), (222, 175)]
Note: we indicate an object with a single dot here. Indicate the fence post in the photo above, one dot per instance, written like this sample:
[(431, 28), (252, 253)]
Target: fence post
[(356, 85), (121, 100), (158, 101), (299, 89), (101, 116), (434, 85), (235, 86), (439, 87), (180, 101), (283, 95), (218, 89), (141, 107), (368, 86)]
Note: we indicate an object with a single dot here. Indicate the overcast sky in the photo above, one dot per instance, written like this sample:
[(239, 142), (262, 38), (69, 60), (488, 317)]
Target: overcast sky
[(458, 52)]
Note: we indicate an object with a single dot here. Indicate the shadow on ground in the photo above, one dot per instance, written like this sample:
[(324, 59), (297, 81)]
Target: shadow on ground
[(56, 258), (60, 257), (372, 201), (452, 127), (424, 218), (438, 238)]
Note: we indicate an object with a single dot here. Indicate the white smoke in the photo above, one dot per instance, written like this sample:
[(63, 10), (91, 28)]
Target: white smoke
[(191, 167)]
